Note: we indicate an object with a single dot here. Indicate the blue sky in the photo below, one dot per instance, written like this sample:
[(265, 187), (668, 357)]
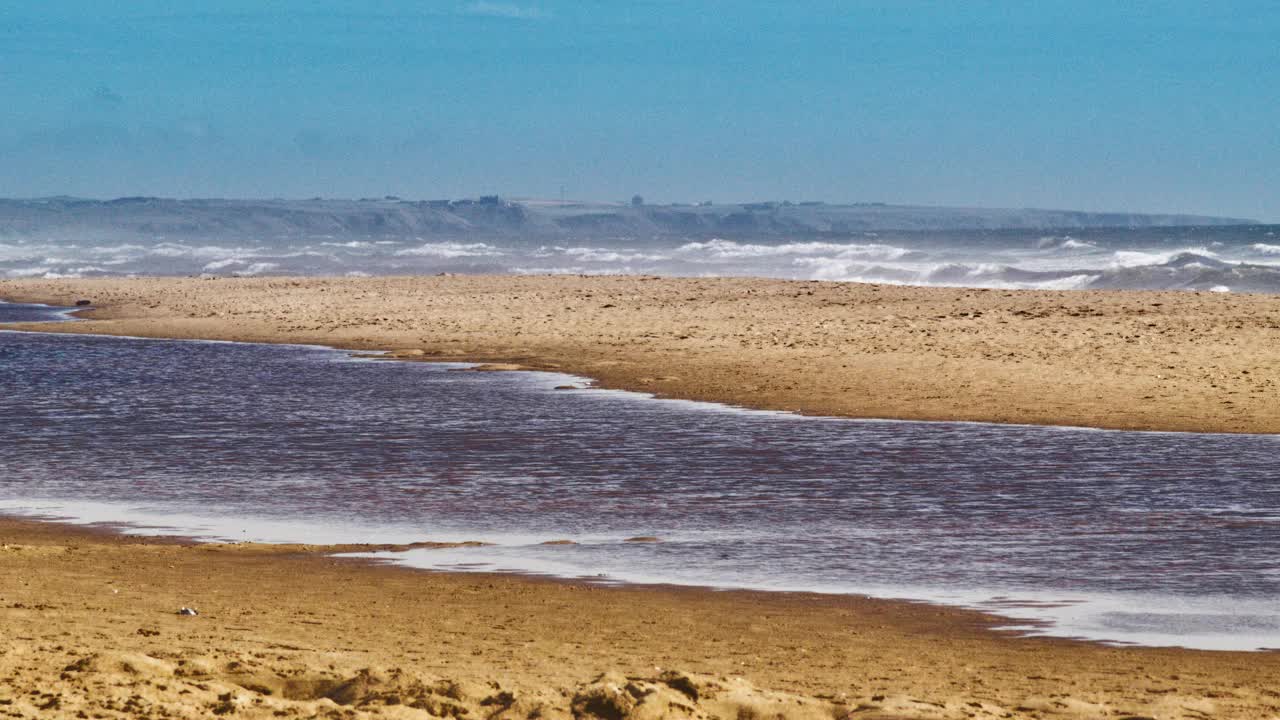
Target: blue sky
[(1167, 106)]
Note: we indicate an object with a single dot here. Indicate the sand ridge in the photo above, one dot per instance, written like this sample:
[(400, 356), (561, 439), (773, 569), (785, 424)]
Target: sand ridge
[(1112, 359)]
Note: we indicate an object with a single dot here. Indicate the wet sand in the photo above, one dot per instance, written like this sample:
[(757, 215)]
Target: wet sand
[(1113, 359), (90, 626)]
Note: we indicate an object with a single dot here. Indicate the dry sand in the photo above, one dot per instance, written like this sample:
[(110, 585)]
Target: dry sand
[(1138, 360), (90, 630), (87, 623)]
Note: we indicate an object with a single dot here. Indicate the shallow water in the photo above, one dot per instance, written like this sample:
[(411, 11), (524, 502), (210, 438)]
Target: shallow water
[(16, 312), (1129, 537)]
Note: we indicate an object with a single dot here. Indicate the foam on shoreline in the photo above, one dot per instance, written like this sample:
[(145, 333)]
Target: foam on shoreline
[(1078, 616)]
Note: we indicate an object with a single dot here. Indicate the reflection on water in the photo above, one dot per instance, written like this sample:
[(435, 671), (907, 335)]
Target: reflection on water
[(1142, 537)]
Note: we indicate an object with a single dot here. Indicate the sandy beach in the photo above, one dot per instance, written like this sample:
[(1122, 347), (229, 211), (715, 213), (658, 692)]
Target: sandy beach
[(89, 617), (1203, 362), (91, 630)]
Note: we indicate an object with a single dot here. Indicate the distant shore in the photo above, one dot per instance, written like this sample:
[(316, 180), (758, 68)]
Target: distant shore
[(1176, 361)]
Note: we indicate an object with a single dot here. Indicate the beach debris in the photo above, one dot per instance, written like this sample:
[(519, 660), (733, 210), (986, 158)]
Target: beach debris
[(83, 303), (189, 612), (567, 387), (642, 539)]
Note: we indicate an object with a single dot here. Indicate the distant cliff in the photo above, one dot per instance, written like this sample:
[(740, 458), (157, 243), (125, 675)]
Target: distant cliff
[(492, 217)]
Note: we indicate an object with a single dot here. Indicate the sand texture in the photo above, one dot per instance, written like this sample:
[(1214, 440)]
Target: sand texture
[(87, 619), (1112, 359), (89, 629)]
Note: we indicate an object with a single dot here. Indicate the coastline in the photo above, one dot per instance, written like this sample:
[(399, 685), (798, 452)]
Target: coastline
[(1020, 610), (293, 631), (878, 658), (1133, 360)]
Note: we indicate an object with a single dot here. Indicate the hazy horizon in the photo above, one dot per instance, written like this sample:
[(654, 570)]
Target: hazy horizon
[(621, 202), (1074, 106)]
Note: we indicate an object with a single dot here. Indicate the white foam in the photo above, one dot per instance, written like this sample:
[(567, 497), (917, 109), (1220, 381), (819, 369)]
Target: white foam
[(354, 244), (451, 250), (256, 269), (1134, 258), (591, 254), (1071, 282), (176, 519), (983, 275), (1073, 244), (1066, 242), (1119, 618), (570, 270), (204, 252), (1064, 261), (1146, 619), (718, 249), (224, 263)]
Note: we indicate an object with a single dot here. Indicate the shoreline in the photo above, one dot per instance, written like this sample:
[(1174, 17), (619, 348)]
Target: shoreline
[(359, 554), (832, 654), (1008, 613), (389, 355), (405, 631), (1124, 360), (1013, 610)]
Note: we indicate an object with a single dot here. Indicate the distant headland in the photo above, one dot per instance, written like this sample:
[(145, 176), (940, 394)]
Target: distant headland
[(493, 216)]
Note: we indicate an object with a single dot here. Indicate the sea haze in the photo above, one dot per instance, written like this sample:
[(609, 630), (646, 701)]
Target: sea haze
[(865, 243), (1119, 536)]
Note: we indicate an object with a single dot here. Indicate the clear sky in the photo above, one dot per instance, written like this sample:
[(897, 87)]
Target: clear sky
[(1170, 106)]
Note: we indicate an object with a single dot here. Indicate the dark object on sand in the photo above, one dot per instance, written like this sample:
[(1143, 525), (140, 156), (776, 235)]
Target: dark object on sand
[(188, 611), (82, 303)]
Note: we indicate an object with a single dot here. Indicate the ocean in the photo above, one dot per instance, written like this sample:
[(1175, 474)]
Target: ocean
[(1123, 537), (1244, 258)]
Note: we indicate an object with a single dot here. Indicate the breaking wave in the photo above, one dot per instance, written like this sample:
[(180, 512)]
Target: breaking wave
[(729, 250), (1133, 258), (1066, 242), (451, 250), (1235, 259)]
